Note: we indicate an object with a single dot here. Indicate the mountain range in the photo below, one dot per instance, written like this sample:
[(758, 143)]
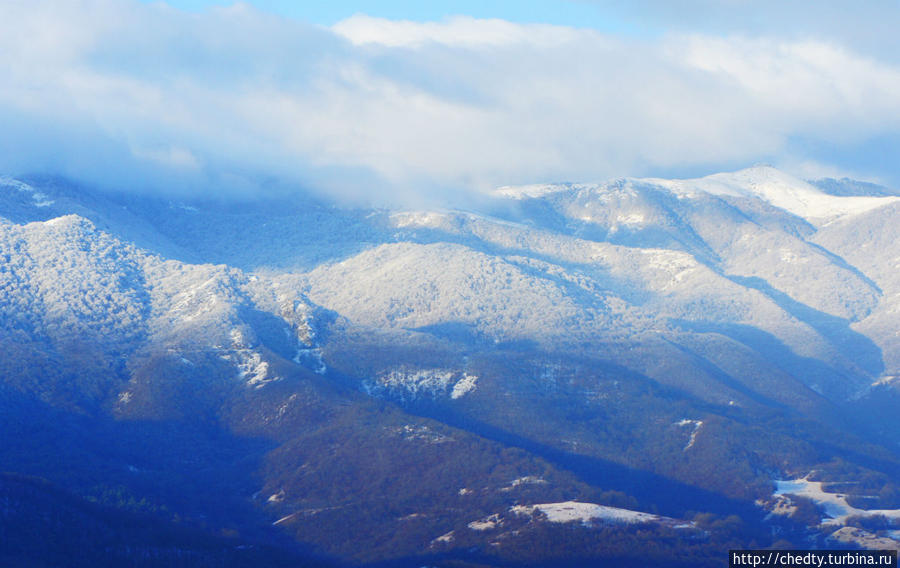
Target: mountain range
[(566, 371)]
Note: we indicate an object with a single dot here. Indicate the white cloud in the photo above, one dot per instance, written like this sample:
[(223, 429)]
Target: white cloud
[(867, 27), (114, 91), (823, 85), (458, 31)]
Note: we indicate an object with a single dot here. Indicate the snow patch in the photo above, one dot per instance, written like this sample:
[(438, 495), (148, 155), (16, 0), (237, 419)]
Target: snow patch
[(197, 301), (312, 359), (413, 433), (444, 538), (464, 386), (429, 382), (782, 507), (526, 480), (418, 219), (251, 367), (486, 524), (571, 511), (631, 219), (285, 519), (283, 408), (835, 504), (863, 539), (416, 380), (696, 425)]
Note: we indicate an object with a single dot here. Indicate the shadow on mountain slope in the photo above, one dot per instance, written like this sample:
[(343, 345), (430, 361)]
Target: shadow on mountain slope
[(852, 345)]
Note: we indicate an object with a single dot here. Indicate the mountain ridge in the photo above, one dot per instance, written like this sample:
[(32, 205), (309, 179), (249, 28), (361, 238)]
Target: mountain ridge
[(570, 334)]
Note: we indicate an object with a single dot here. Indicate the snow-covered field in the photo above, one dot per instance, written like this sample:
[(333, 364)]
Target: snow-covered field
[(834, 504), (570, 511)]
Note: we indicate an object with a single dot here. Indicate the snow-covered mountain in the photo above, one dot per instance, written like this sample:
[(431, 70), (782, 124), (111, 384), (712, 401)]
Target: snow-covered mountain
[(586, 325)]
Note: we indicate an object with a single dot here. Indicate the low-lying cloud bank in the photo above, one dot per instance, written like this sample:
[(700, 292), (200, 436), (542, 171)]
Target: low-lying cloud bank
[(144, 96)]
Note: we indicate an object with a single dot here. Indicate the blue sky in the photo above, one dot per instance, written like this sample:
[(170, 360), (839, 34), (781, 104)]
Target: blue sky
[(416, 101), (560, 12)]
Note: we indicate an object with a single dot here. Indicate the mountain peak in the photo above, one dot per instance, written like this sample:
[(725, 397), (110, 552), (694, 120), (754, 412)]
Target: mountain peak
[(765, 182), (779, 189)]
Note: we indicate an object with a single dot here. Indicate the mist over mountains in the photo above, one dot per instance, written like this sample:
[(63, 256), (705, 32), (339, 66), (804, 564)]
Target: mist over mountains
[(382, 104), (364, 385)]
